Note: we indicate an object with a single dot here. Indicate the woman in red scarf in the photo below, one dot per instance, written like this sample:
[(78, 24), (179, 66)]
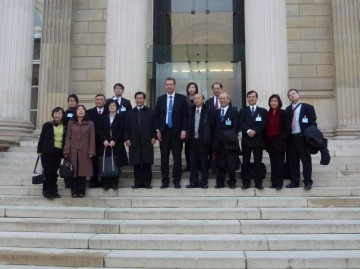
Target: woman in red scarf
[(276, 131)]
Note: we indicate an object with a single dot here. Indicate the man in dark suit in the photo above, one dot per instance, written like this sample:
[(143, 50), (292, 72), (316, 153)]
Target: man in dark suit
[(140, 137), (226, 143), (252, 124), (301, 116), (125, 104), (213, 102), (94, 115), (199, 140), (171, 114)]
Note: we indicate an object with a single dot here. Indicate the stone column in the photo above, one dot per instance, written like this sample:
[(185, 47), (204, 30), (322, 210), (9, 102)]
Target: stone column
[(55, 58), (266, 49), (126, 36), (346, 19), (16, 53)]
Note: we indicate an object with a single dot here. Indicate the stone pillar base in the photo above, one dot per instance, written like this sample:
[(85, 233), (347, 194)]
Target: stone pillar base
[(11, 132)]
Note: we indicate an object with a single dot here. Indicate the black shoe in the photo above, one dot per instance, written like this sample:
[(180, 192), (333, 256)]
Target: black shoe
[(81, 195), (278, 188), (148, 187), (164, 186), (191, 186), (292, 186), (74, 195), (307, 187), (177, 186), (219, 186), (272, 187), (56, 195), (204, 186), (49, 196), (232, 186), (259, 187), (135, 187), (245, 187)]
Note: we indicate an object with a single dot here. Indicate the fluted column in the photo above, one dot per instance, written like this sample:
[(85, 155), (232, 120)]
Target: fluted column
[(126, 57), (16, 52), (55, 58), (266, 48), (346, 16)]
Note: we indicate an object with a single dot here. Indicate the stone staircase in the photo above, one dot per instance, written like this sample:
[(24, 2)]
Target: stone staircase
[(186, 228)]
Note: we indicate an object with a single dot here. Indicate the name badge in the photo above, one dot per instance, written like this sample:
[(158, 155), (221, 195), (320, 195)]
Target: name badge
[(305, 120), (123, 109), (228, 122), (69, 115), (258, 118)]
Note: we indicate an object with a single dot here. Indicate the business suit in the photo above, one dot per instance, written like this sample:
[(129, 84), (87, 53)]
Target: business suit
[(256, 122), (199, 145), (95, 117), (298, 148), (171, 136), (124, 106), (141, 151), (226, 146)]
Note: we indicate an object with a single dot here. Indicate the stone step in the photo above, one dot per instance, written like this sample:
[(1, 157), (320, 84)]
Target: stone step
[(180, 241), (241, 213), (131, 200), (179, 226)]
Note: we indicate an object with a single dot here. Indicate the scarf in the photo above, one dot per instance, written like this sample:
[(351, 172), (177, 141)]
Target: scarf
[(273, 123)]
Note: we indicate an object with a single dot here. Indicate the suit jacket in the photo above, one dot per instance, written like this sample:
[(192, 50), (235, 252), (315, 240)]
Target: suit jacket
[(124, 104), (46, 139), (279, 142), (307, 111), (226, 130), (248, 121), (179, 113), (96, 119), (141, 151), (115, 132), (206, 125)]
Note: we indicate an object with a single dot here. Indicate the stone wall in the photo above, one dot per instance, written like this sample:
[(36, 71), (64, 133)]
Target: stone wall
[(88, 49), (311, 56)]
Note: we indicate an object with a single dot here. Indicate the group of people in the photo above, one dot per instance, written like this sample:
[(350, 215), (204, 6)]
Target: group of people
[(210, 131)]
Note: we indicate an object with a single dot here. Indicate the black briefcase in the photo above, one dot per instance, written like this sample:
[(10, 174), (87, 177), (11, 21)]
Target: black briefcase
[(38, 177)]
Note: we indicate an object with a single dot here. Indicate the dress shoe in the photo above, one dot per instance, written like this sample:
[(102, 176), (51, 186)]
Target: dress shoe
[(81, 195), (204, 186), (259, 187), (74, 195), (135, 187), (232, 186), (191, 186), (292, 186), (164, 186), (56, 195), (49, 196), (272, 187), (278, 188), (148, 187), (219, 186), (177, 186), (307, 187), (245, 187)]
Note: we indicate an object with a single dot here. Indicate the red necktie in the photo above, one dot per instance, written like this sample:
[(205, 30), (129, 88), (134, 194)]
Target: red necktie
[(216, 103)]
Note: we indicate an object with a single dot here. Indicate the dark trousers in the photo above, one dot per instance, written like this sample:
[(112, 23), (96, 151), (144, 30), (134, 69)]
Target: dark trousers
[(187, 155), (277, 159), (143, 175), (199, 162), (51, 163), (78, 185), (220, 178), (299, 152), (257, 153), (95, 177), (170, 142)]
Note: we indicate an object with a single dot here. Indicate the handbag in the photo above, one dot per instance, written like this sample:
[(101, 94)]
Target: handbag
[(66, 170), (38, 177), (107, 165)]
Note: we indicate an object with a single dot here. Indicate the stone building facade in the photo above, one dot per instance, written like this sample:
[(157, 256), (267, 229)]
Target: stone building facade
[(88, 45)]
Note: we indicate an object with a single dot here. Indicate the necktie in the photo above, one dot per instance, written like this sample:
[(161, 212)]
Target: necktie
[(252, 111), (170, 112), (293, 122), (139, 118), (216, 103), (197, 110), (99, 111), (222, 114)]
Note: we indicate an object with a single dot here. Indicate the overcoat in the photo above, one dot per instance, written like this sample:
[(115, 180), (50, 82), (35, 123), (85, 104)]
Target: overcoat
[(114, 131), (79, 144), (141, 151)]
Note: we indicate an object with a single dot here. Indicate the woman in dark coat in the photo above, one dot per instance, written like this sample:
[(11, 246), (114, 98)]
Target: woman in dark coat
[(50, 148), (191, 89), (111, 134), (276, 131), (80, 148)]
